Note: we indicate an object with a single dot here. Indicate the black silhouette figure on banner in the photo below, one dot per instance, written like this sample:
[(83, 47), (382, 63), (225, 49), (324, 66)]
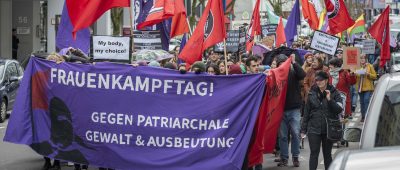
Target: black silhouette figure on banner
[(62, 136)]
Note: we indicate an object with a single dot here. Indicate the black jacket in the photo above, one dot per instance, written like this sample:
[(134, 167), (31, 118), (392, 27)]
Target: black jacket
[(293, 95), (317, 107)]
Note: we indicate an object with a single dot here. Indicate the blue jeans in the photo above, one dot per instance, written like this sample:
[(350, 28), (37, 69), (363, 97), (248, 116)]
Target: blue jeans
[(353, 95), (364, 102), (291, 119)]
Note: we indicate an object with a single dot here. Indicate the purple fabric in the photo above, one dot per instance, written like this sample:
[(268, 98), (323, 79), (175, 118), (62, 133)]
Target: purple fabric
[(224, 98), (302, 53), (165, 30), (291, 25), (145, 7), (64, 37), (183, 43), (259, 50), (63, 51)]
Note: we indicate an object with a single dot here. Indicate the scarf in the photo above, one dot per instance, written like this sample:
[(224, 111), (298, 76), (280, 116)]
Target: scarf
[(335, 75)]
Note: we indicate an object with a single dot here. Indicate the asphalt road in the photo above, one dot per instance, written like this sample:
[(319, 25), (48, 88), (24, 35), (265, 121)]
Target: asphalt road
[(21, 157)]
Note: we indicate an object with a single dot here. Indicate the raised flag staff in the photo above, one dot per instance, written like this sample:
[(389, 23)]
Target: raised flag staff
[(131, 22), (226, 59)]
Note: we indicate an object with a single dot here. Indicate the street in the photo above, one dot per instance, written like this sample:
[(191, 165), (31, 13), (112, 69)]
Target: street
[(21, 157)]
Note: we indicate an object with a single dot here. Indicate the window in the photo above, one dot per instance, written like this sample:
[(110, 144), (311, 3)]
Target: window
[(387, 133), (12, 69), (20, 70)]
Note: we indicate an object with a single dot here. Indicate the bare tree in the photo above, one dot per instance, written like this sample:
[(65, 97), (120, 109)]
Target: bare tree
[(116, 19), (277, 5)]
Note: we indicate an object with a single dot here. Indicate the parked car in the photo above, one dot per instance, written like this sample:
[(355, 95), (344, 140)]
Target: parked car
[(10, 76), (369, 159), (381, 130), (394, 65)]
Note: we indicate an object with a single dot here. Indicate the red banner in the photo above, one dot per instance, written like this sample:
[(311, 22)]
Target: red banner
[(270, 114)]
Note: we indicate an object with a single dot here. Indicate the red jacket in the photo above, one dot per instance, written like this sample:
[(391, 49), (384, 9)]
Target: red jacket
[(345, 81)]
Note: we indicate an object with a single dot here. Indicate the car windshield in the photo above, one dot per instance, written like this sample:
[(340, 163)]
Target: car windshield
[(389, 119)]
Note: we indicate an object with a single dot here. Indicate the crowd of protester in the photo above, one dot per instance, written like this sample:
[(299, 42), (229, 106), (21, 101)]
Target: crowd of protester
[(315, 85)]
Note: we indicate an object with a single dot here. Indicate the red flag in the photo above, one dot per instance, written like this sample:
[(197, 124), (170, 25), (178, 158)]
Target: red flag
[(338, 17), (255, 26), (164, 9), (270, 114), (179, 23), (310, 14), (84, 13), (209, 31), (280, 34), (380, 31), (161, 10)]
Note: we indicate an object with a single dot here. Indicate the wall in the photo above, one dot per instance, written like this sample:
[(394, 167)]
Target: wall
[(5, 29), (22, 20), (104, 24), (54, 8), (36, 22)]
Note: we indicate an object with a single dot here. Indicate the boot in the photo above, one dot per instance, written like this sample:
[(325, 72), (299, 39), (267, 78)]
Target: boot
[(283, 162), (56, 165), (296, 162), (47, 164), (77, 167)]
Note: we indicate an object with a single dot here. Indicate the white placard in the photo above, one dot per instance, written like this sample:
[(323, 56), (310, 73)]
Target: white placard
[(324, 42), (368, 47), (111, 48)]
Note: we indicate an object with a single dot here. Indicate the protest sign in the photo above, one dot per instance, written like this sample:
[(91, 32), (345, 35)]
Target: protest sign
[(358, 42), (147, 40), (111, 48), (242, 39), (368, 47), (324, 42), (232, 42), (119, 116), (269, 29), (351, 57)]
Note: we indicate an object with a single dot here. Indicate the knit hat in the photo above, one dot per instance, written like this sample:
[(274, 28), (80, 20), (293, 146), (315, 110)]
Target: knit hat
[(235, 69), (308, 55)]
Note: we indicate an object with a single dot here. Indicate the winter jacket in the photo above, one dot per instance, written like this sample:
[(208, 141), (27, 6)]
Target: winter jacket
[(293, 94), (368, 79), (309, 80), (318, 107), (345, 81)]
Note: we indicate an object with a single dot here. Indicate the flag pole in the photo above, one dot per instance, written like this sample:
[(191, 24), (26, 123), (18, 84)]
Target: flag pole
[(190, 29), (226, 58), (131, 23)]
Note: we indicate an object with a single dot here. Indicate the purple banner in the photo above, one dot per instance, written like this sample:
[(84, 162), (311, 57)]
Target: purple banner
[(124, 117)]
